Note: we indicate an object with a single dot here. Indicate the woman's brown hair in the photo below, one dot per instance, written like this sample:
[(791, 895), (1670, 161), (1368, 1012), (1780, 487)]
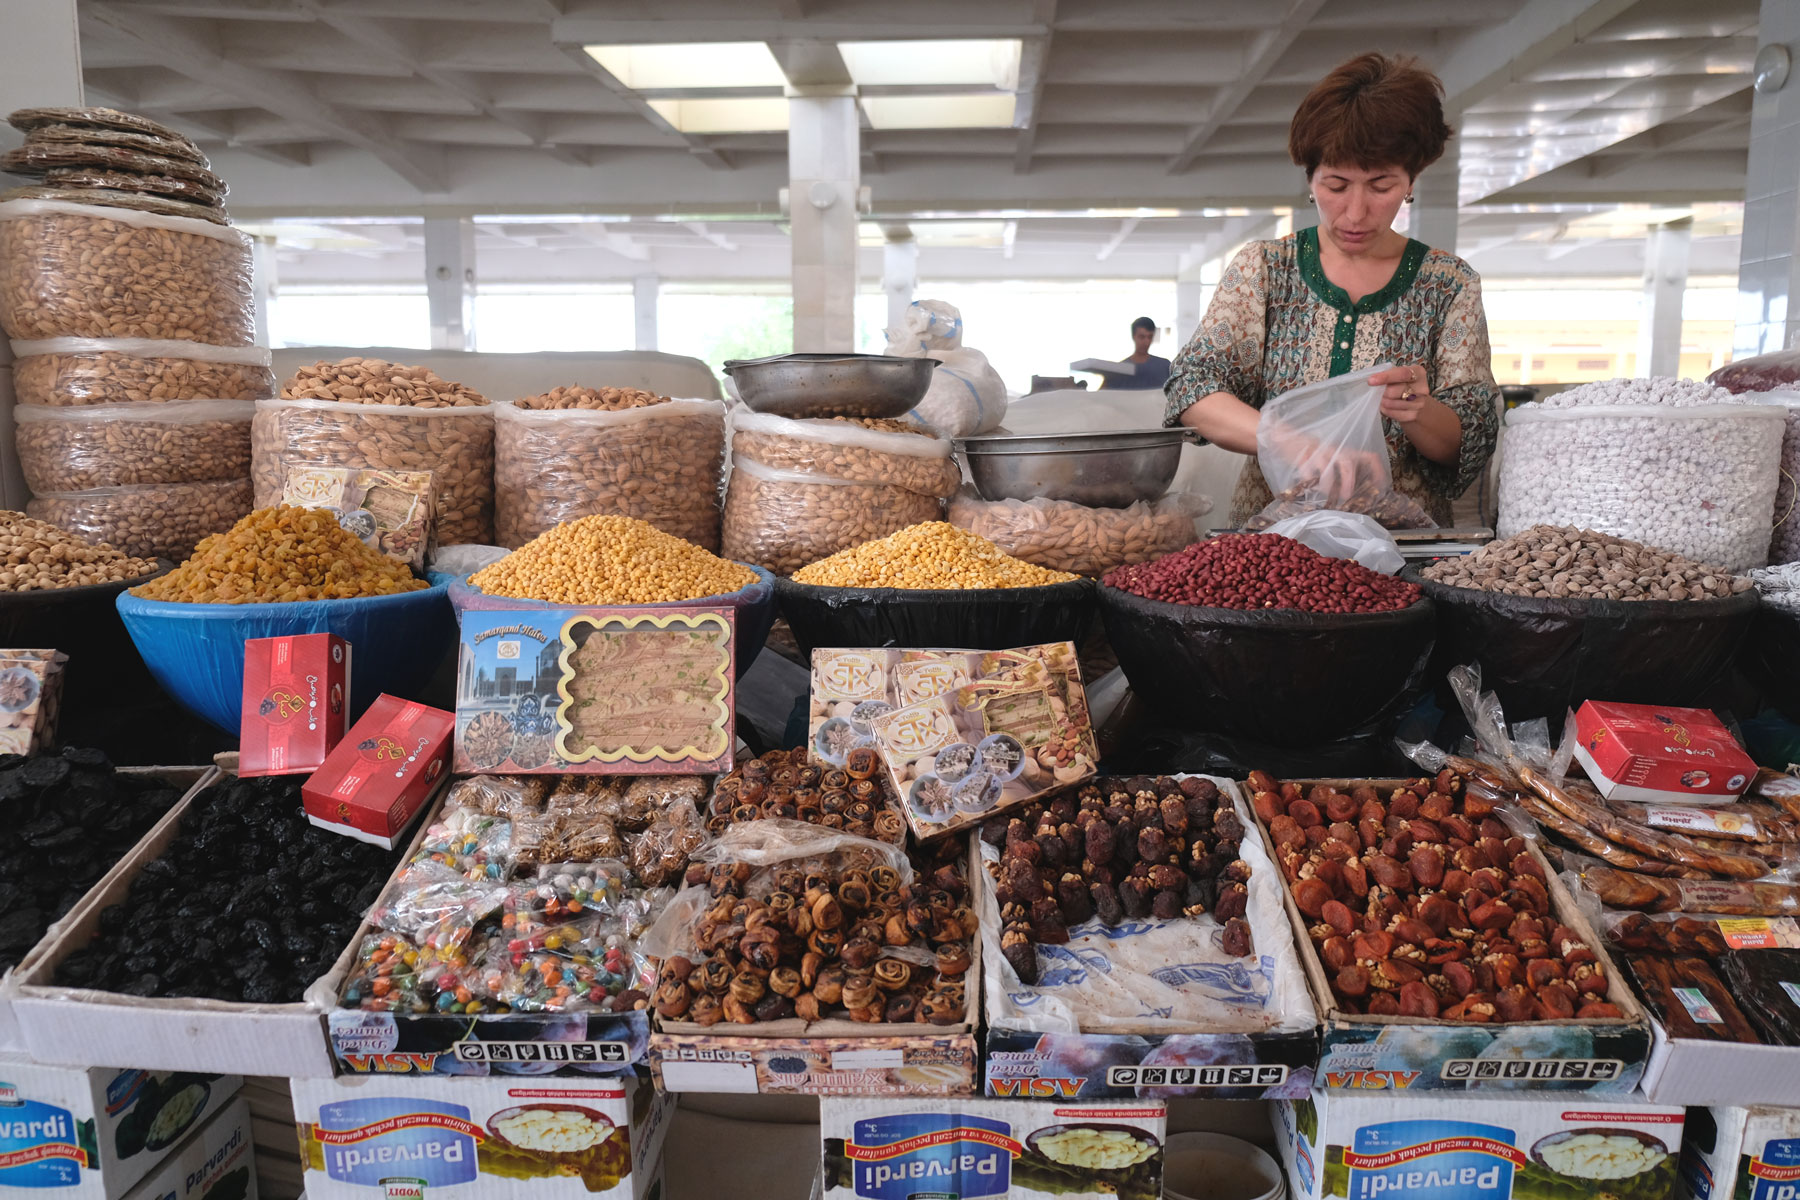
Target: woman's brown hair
[(1373, 111)]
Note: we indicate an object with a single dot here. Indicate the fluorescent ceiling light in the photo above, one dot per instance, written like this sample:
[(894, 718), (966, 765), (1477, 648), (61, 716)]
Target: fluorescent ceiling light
[(992, 111), (993, 62), (691, 65), (752, 114)]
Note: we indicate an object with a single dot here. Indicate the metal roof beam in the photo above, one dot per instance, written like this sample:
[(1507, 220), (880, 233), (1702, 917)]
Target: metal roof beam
[(280, 92), (376, 33), (1265, 52)]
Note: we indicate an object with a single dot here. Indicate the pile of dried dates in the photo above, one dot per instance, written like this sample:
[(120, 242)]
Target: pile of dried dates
[(1121, 849), (815, 941), (1423, 904), (855, 798)]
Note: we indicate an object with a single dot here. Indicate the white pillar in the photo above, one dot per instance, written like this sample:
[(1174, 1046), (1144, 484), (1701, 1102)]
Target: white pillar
[(1435, 205), (899, 277), (450, 281), (1768, 265), (40, 64), (1190, 306), (646, 290), (824, 176), (263, 276), (1665, 283)]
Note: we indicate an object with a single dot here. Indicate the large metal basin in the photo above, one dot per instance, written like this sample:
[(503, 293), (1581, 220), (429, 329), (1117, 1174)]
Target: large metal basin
[(1102, 470), (831, 385)]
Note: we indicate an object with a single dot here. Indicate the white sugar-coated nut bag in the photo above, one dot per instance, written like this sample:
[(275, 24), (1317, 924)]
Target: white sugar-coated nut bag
[(1667, 462)]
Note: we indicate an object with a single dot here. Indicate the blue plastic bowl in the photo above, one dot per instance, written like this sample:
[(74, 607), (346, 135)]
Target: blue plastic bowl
[(755, 607), (196, 651)]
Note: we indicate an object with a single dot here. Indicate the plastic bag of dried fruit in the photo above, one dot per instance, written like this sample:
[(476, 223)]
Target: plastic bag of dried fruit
[(658, 462), (82, 271), (77, 371), (966, 396), (64, 449), (1064, 536), (803, 490)]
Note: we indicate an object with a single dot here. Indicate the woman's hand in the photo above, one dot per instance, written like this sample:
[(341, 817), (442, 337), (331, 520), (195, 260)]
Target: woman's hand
[(1428, 423)]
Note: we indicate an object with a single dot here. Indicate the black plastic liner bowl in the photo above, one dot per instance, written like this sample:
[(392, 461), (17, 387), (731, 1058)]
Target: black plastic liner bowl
[(1546, 656), (974, 619), (1279, 676), (1771, 659)]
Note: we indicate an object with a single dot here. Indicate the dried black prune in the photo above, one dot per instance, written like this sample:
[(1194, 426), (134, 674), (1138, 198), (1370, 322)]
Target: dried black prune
[(1106, 904)]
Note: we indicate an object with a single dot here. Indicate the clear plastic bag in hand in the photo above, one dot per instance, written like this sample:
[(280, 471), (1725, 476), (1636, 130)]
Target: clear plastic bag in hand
[(1322, 446)]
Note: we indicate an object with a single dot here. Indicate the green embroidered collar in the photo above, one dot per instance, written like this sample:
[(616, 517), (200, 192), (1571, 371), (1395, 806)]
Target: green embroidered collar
[(1307, 243)]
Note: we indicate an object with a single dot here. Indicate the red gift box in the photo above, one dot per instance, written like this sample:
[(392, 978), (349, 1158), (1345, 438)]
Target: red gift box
[(383, 771), (296, 697), (1660, 755)]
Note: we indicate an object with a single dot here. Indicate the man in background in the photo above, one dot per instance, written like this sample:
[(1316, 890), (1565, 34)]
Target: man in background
[(1150, 371)]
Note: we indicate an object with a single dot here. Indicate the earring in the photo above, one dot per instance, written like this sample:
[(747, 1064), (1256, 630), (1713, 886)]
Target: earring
[(1309, 198), (1409, 198)]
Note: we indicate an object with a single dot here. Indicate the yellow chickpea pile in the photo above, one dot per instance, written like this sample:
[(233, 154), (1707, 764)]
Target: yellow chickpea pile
[(282, 554), (934, 555), (610, 560)]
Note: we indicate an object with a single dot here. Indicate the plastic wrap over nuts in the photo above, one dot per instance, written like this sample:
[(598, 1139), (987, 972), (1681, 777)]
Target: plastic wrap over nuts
[(159, 520), (74, 270), (1697, 479), (784, 520), (894, 453), (75, 371), (113, 445), (455, 444), (659, 463), (1073, 537)]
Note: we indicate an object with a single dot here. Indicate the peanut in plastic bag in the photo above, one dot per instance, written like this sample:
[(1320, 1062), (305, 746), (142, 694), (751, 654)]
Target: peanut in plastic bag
[(1322, 446)]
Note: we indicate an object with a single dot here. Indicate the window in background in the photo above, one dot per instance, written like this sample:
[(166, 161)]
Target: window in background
[(1553, 332), (527, 318), (1030, 327), (300, 316), (716, 325)]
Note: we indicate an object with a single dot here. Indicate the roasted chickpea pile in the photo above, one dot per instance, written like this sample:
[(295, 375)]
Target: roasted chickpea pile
[(932, 555), (282, 554), (610, 560)]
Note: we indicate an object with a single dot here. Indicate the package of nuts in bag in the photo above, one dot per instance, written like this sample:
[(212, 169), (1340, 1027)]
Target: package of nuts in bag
[(575, 452), (64, 449), (366, 413), (803, 490), (76, 270), (156, 520), (76, 371)]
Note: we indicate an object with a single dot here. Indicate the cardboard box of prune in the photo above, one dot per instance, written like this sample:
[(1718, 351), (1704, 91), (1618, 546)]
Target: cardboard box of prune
[(91, 1134), (378, 778), (384, 1137), (962, 734), (883, 1149), (217, 1162), (1527, 1147), (1740, 1154), (601, 690), (296, 691), (31, 684), (1400, 1053)]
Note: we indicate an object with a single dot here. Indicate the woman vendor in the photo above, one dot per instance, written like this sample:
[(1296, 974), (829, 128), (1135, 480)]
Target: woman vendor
[(1352, 293)]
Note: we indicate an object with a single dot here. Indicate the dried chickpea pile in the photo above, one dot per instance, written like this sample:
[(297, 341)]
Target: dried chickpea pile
[(932, 555), (606, 399), (35, 557), (610, 560), (281, 554)]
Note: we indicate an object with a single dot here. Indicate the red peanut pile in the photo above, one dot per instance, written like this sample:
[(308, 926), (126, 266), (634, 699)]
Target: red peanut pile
[(1263, 570)]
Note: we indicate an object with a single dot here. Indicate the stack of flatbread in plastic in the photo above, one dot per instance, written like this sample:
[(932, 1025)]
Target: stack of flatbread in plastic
[(119, 159)]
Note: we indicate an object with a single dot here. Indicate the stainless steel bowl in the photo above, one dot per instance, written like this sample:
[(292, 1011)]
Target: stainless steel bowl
[(1103, 470), (831, 385)]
